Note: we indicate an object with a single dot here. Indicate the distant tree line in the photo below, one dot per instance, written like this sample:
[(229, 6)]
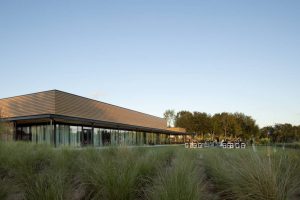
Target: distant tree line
[(230, 125), (280, 133)]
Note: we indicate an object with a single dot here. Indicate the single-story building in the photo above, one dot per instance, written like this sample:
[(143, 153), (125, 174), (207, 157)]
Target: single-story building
[(60, 118)]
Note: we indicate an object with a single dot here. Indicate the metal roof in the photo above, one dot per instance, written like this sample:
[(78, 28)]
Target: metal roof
[(55, 102)]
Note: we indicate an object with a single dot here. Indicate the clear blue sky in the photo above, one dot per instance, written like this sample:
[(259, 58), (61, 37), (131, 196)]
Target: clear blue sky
[(208, 56)]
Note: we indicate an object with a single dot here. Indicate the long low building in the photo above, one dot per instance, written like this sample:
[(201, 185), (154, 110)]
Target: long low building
[(60, 118)]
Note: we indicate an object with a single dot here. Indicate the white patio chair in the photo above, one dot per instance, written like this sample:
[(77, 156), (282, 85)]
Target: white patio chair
[(243, 146), (195, 145), (224, 145), (200, 145), (229, 145)]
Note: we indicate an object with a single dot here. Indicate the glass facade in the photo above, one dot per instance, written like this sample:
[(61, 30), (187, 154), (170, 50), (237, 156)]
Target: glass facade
[(75, 132), (97, 137), (77, 136), (23, 133)]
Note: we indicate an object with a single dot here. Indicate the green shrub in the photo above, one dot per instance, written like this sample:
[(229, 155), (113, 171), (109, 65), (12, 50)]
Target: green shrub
[(264, 141)]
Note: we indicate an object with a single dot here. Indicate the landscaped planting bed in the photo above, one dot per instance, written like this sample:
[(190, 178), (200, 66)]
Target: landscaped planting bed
[(42, 172)]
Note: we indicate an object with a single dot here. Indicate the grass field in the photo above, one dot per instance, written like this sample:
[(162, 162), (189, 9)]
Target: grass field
[(41, 172)]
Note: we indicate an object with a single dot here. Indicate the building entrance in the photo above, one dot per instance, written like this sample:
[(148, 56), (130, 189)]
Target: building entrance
[(86, 138), (105, 138)]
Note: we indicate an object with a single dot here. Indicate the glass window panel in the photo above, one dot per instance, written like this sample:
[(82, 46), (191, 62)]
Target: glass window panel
[(157, 138), (120, 137), (74, 142), (48, 134), (79, 133), (106, 137), (57, 135), (66, 134), (129, 137), (126, 138), (40, 134), (26, 134), (113, 137), (34, 134), (133, 138), (96, 140), (62, 134), (100, 137), (141, 138)]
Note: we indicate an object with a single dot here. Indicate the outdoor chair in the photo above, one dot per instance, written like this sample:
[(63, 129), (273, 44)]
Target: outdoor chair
[(200, 145), (229, 145), (195, 145), (187, 145), (243, 146), (224, 145), (237, 145)]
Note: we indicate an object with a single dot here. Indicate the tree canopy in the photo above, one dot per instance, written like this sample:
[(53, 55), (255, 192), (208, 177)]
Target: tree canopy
[(233, 125), (281, 133), (219, 125)]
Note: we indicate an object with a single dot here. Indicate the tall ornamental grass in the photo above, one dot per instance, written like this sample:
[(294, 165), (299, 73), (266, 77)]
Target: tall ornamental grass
[(31, 172), (119, 173), (183, 179), (254, 175)]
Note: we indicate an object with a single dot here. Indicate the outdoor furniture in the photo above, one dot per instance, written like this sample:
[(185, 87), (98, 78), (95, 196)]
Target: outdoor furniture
[(200, 145), (224, 145), (229, 145), (186, 145)]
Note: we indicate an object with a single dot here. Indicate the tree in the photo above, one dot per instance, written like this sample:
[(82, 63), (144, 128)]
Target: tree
[(246, 126), (297, 133), (201, 123), (284, 133), (169, 115), (184, 119), (228, 123), (216, 128), (267, 132), (281, 133)]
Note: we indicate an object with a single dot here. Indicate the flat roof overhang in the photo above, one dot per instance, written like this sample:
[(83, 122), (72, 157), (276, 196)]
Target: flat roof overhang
[(86, 122)]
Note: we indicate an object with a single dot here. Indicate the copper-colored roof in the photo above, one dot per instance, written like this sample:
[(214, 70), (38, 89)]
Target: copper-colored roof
[(62, 103)]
